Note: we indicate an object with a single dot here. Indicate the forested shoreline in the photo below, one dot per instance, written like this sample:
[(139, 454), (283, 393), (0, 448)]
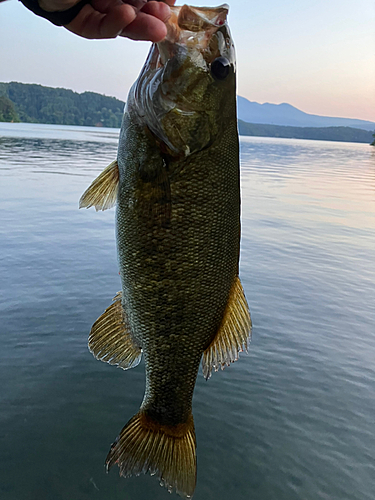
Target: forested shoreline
[(339, 134), (31, 103)]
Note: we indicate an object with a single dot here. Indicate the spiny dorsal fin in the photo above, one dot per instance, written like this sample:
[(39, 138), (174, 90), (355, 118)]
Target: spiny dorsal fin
[(233, 335), (102, 192), (168, 451), (110, 340)]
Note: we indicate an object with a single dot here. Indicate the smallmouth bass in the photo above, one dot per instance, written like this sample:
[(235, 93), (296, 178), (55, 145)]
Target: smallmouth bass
[(176, 186)]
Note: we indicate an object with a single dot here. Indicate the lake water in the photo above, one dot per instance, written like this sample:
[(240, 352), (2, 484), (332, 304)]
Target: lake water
[(293, 420)]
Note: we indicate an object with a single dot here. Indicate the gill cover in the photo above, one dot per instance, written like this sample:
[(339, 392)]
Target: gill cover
[(183, 87)]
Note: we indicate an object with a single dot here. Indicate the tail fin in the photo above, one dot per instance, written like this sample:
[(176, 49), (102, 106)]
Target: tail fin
[(169, 451)]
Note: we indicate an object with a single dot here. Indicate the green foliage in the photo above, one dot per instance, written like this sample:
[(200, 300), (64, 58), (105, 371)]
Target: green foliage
[(373, 142), (341, 134), (8, 112), (38, 104)]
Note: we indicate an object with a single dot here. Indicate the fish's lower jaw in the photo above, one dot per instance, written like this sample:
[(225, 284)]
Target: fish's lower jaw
[(169, 451)]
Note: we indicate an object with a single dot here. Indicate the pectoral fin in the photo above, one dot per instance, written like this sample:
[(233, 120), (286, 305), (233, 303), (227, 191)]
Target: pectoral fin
[(110, 339), (102, 192), (233, 335)]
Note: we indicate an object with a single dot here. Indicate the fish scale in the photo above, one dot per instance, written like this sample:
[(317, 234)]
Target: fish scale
[(191, 262), (177, 190)]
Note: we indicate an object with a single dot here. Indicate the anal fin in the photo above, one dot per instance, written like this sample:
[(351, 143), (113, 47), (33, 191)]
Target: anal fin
[(110, 340), (233, 335), (102, 192)]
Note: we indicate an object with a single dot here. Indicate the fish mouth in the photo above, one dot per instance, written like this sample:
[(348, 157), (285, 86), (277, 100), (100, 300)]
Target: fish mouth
[(191, 27), (188, 27), (166, 92), (186, 19)]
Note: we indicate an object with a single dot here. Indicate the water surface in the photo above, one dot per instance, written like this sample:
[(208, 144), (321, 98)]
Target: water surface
[(292, 420)]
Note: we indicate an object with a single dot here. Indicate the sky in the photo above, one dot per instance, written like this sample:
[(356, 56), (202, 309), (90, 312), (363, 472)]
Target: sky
[(318, 55)]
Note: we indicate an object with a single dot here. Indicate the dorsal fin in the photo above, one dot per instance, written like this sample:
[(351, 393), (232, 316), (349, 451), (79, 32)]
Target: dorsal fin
[(110, 339), (233, 335), (102, 192)]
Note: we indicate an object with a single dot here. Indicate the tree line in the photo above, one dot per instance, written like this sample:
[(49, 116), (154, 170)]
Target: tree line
[(31, 103), (340, 134)]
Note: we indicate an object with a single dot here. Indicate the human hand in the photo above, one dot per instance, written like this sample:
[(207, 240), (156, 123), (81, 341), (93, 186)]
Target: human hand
[(135, 19)]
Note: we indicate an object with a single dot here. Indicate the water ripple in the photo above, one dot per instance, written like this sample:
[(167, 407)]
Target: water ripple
[(291, 420)]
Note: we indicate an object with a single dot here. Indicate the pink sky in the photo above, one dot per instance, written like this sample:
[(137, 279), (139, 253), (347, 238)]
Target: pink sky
[(318, 56)]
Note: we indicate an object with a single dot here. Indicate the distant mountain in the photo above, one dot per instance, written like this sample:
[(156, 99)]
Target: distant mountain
[(287, 115), (340, 134)]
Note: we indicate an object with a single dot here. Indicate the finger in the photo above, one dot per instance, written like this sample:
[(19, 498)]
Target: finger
[(145, 27), (157, 9), (137, 4), (118, 17), (168, 2), (90, 23)]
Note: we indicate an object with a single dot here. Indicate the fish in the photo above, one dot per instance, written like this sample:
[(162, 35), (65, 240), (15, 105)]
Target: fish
[(176, 187)]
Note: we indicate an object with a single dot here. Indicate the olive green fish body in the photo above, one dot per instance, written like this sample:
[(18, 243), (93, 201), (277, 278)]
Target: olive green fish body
[(178, 234), (176, 186)]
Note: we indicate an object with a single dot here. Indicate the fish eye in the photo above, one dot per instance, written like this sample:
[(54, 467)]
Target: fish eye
[(220, 68)]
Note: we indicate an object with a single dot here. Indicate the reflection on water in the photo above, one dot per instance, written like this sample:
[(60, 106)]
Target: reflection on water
[(58, 132), (292, 420)]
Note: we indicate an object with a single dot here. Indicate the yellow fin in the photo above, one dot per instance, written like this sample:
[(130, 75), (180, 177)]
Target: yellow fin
[(233, 335), (110, 340), (168, 451), (102, 192)]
